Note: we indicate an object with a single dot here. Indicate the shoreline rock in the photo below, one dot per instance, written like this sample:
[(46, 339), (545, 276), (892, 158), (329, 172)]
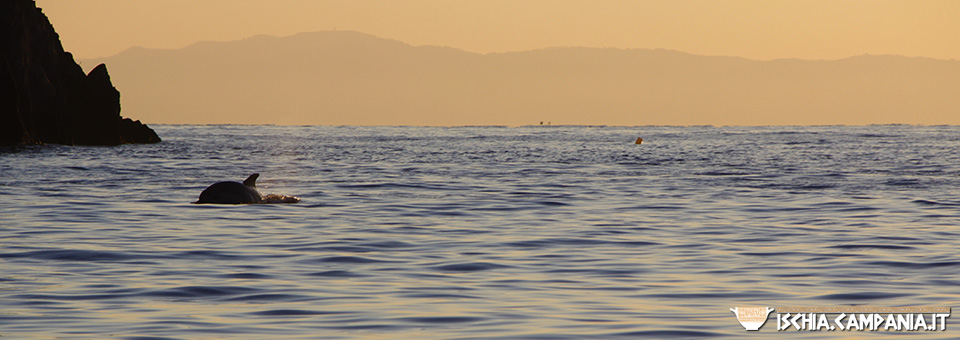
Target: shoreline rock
[(45, 97)]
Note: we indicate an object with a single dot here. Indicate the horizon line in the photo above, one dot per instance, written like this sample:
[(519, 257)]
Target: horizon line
[(564, 125)]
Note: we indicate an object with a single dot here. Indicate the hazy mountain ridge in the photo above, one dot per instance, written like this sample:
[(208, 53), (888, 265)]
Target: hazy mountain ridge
[(351, 78)]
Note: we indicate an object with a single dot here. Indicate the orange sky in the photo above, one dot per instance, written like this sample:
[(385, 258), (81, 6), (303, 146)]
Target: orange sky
[(756, 29)]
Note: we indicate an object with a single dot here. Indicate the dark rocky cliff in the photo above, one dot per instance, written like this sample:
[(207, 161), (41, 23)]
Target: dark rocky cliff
[(44, 95)]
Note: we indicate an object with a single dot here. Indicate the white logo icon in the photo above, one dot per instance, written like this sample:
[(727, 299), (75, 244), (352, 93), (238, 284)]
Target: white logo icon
[(752, 318)]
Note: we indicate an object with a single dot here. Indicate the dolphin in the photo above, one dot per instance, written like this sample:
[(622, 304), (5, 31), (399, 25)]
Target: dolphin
[(232, 192)]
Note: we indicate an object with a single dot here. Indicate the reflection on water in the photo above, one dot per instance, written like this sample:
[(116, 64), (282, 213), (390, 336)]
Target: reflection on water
[(442, 233)]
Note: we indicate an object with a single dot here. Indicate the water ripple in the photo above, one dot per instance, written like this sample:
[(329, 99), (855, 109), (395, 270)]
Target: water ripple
[(434, 233)]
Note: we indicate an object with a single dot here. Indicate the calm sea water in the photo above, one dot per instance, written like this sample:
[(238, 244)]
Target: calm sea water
[(477, 232)]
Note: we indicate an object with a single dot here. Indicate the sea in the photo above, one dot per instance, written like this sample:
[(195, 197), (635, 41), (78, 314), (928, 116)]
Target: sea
[(486, 232)]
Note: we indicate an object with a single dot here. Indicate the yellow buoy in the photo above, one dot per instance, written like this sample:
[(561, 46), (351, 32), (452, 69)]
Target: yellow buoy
[(639, 140)]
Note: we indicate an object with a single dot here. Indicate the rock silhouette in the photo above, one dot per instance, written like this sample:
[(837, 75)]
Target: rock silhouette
[(45, 97)]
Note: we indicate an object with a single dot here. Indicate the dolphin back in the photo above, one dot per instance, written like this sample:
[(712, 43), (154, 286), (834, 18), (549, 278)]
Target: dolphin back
[(231, 193)]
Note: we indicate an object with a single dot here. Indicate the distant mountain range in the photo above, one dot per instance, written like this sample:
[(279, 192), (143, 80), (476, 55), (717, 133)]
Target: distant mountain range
[(350, 78)]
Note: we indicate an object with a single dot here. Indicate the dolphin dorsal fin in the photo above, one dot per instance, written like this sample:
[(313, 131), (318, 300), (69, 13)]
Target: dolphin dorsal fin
[(251, 181)]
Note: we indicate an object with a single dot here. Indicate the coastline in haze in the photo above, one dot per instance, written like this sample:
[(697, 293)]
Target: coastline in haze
[(351, 78)]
